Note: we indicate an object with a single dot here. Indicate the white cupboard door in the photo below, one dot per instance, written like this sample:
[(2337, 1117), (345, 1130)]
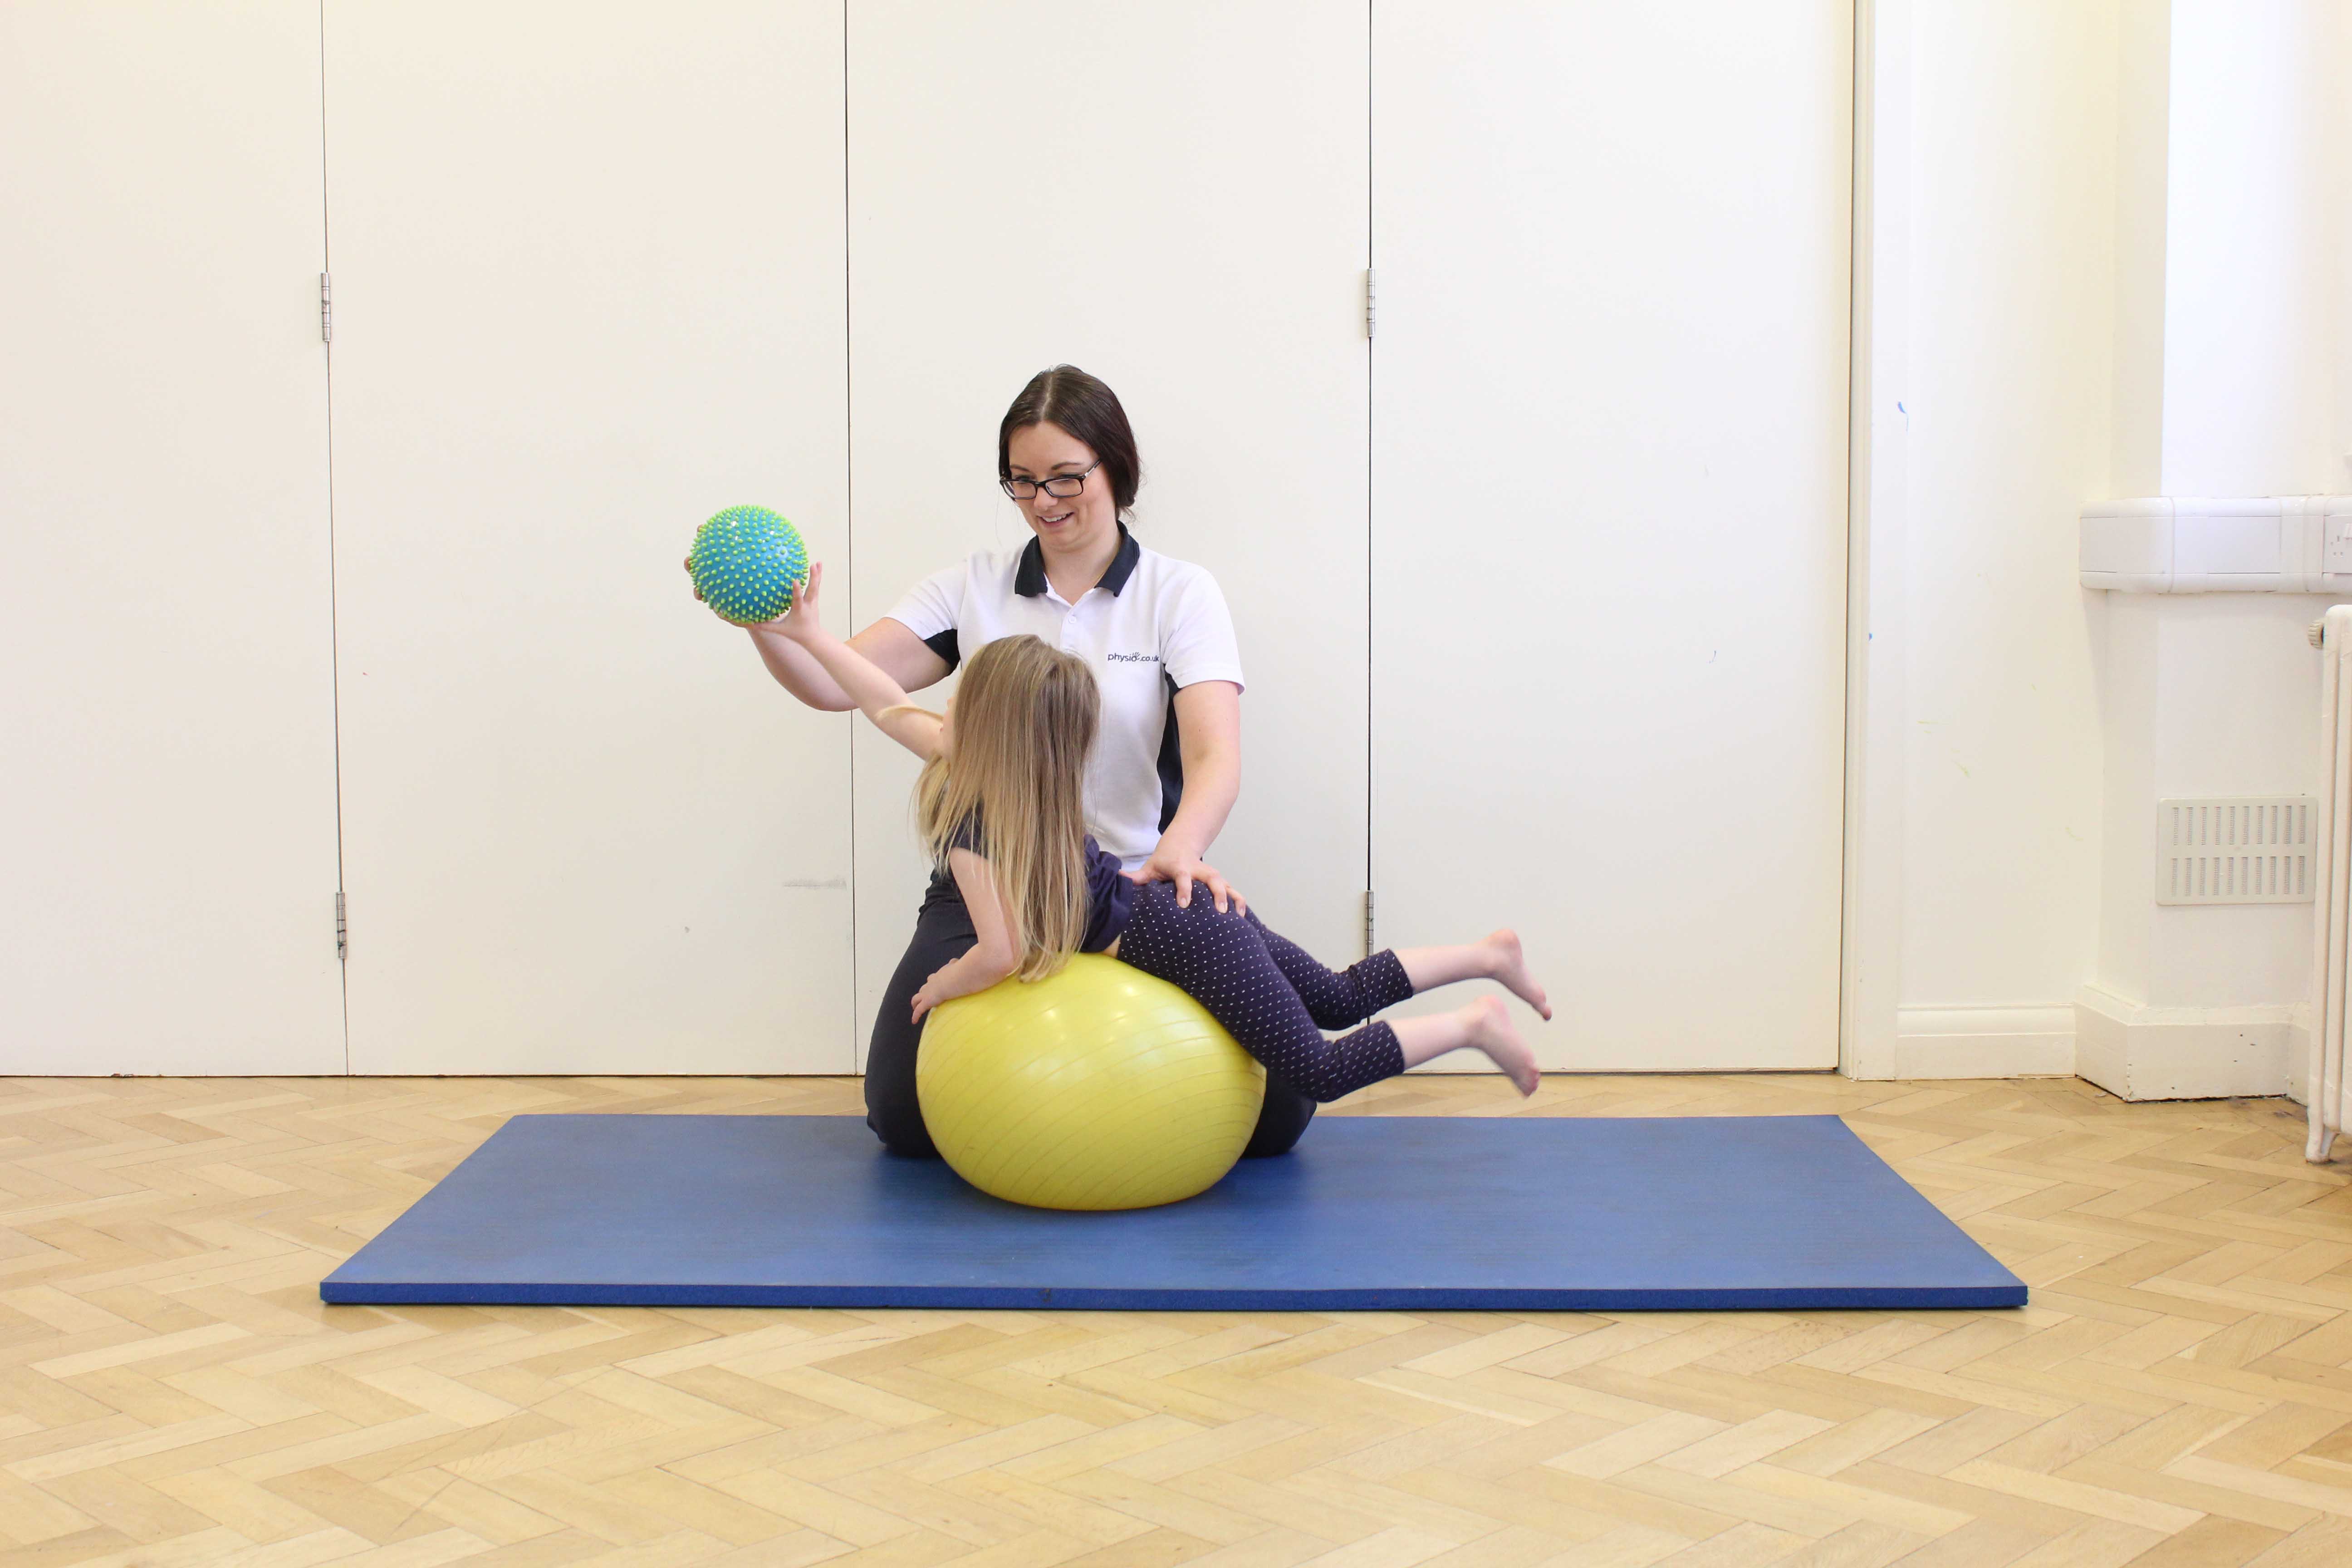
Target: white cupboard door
[(1171, 196), (589, 290), (167, 743), (1609, 511)]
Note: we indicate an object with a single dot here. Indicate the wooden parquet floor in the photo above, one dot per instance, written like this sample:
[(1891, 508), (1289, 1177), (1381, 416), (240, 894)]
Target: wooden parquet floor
[(172, 1391)]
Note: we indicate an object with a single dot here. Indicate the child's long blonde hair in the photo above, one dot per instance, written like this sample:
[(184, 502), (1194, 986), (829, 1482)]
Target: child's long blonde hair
[(1025, 716)]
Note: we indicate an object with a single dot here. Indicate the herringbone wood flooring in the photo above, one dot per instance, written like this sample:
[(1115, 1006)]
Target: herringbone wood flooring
[(2179, 1392)]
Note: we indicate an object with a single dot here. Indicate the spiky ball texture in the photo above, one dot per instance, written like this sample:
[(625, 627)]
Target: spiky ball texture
[(749, 563)]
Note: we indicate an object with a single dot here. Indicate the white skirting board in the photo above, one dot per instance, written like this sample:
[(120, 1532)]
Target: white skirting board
[(2138, 1052), (1984, 1042), (2131, 1050)]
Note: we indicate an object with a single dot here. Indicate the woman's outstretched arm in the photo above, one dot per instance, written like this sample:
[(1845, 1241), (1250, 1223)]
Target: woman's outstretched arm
[(859, 678), (1209, 731), (889, 646), (892, 646)]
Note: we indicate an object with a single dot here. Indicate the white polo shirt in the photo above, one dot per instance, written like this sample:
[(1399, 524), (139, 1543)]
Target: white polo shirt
[(1151, 627)]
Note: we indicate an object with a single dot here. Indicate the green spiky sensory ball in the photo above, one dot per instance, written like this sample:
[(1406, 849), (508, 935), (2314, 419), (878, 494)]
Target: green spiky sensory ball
[(749, 563)]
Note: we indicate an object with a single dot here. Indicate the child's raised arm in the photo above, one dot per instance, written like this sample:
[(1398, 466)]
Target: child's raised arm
[(875, 694)]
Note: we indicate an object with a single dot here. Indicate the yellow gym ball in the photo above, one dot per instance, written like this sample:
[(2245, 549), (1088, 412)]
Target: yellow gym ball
[(1100, 1088)]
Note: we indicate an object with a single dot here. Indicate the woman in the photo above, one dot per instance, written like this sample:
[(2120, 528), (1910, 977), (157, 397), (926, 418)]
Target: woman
[(1167, 765)]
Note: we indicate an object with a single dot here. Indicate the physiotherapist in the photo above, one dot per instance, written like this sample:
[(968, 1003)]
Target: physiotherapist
[(1167, 762)]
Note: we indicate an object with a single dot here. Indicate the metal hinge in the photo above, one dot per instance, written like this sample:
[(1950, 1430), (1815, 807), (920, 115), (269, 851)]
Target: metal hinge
[(1372, 305), (326, 308), (1371, 932), (342, 936)]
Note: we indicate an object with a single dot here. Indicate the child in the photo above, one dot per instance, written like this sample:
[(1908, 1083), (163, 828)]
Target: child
[(1000, 803)]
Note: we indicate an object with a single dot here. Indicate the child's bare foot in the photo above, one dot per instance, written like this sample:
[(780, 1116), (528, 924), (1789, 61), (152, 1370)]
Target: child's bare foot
[(1490, 1023), (1511, 970)]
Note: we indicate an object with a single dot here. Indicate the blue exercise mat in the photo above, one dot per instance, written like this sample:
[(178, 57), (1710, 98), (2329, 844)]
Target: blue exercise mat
[(1369, 1213)]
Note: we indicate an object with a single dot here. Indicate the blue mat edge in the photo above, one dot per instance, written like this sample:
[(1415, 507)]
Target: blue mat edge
[(338, 1292), (1876, 1298)]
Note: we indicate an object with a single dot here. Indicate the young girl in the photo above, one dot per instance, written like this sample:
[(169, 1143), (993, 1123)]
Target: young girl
[(1000, 801)]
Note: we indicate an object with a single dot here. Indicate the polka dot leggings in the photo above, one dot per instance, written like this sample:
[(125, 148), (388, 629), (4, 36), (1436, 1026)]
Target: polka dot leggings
[(1268, 994)]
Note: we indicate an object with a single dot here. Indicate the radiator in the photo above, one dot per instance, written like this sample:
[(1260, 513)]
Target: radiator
[(2331, 921)]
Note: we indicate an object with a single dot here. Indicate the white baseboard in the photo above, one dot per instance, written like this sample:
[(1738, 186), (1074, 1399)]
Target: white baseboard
[(1984, 1042), (2138, 1052)]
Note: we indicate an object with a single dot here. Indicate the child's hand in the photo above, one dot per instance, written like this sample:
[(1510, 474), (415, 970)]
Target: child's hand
[(803, 621), (934, 992)]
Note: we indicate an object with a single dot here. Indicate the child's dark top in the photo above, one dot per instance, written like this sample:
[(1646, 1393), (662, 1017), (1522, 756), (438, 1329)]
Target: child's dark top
[(1109, 892)]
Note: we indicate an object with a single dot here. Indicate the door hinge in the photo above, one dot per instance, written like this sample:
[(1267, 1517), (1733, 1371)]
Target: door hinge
[(1371, 931), (342, 934), (326, 308), (1372, 303)]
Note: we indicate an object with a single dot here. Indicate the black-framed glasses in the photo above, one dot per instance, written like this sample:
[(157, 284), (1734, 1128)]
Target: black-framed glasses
[(1061, 487)]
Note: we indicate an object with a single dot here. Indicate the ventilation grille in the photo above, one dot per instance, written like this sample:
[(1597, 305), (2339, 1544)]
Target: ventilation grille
[(2241, 849)]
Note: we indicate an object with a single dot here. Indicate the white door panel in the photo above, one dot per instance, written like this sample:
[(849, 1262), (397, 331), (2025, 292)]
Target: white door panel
[(167, 746), (589, 290), (1173, 197), (1609, 500)]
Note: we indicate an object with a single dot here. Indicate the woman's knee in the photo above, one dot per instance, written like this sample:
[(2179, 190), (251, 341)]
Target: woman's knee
[(893, 1110), (1280, 1121), (896, 1119)]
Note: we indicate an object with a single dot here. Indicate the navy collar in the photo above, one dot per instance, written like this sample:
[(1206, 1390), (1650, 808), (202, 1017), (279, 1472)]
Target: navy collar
[(1029, 580)]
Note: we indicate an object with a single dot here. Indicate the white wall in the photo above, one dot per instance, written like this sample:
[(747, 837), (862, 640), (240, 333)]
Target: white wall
[(2206, 694), (2107, 261), (2001, 416), (2255, 283), (2106, 257), (2243, 366), (2143, 144), (582, 831), (1608, 670), (2117, 270), (588, 274), (167, 740)]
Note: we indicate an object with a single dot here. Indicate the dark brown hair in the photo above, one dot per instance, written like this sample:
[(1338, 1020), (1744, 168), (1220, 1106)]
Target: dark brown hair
[(1069, 398)]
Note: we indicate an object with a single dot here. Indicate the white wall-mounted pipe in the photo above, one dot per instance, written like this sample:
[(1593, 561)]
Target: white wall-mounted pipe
[(2332, 856), (2266, 544)]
